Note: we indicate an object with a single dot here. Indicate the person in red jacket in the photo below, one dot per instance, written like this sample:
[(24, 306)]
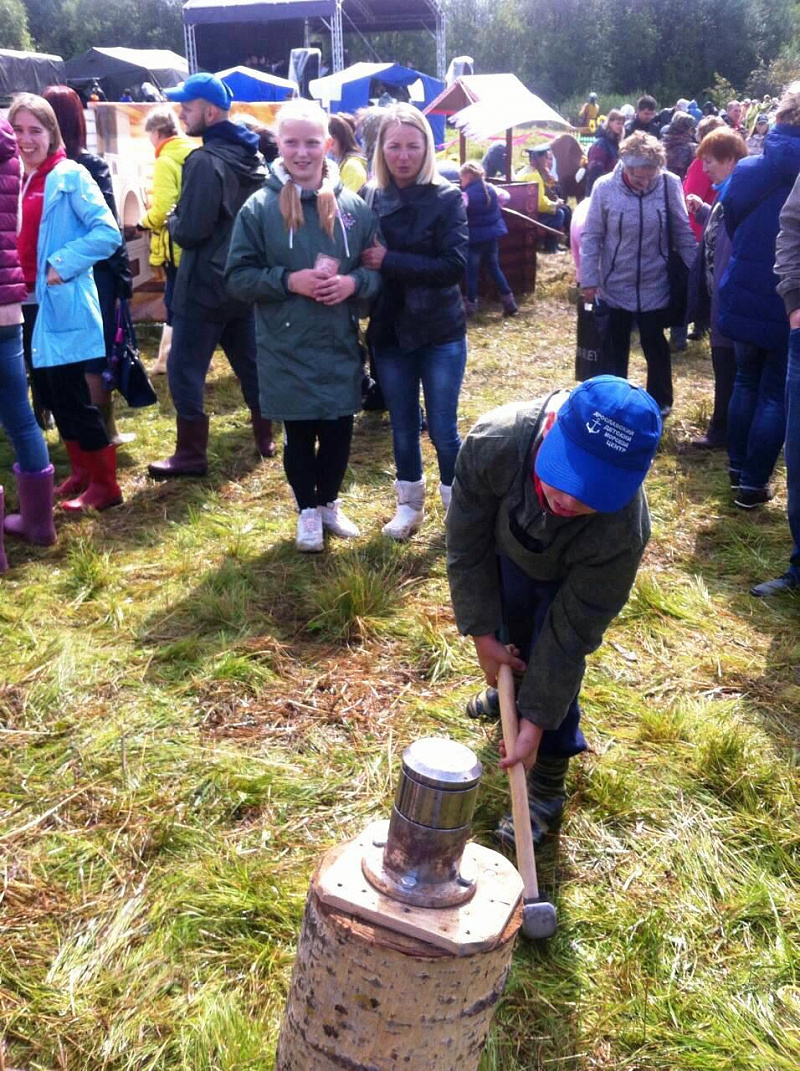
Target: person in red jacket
[(33, 471), (697, 181)]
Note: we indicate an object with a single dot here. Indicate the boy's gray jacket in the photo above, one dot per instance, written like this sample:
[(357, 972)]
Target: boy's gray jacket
[(787, 251), (495, 510), (624, 248)]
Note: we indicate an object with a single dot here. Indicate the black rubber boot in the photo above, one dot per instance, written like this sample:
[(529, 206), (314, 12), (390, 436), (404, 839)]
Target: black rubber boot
[(547, 795)]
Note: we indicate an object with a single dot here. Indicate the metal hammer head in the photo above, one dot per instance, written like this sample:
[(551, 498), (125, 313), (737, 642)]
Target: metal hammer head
[(538, 919)]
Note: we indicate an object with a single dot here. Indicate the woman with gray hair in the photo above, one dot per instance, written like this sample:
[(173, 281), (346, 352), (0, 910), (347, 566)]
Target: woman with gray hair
[(636, 214)]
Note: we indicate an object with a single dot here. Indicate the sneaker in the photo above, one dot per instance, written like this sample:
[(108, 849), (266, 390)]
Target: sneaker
[(787, 582), (665, 411), (335, 522), (752, 497), (310, 538)]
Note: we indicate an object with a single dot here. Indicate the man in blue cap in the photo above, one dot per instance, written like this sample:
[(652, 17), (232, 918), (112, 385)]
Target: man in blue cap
[(547, 525), (218, 178)]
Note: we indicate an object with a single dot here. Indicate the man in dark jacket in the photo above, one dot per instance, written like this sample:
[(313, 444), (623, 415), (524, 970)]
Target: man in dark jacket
[(546, 527), (751, 312), (645, 118), (217, 180), (787, 268)]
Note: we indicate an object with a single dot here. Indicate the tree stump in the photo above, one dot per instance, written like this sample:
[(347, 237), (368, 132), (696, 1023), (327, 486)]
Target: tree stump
[(367, 998)]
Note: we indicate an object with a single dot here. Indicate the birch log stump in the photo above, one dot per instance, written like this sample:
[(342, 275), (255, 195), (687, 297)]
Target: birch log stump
[(366, 998)]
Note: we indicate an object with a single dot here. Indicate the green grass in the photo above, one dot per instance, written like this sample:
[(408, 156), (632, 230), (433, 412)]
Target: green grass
[(191, 714)]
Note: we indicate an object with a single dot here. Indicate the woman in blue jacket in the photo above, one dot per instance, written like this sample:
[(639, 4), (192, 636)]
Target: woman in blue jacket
[(486, 228), (750, 311), (66, 221)]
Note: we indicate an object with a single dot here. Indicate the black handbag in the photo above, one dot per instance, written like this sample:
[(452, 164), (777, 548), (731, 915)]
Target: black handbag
[(127, 373), (678, 275)]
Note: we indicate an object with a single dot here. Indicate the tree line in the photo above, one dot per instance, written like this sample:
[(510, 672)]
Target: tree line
[(560, 48)]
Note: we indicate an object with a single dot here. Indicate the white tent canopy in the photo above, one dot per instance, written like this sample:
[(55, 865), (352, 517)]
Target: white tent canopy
[(502, 102)]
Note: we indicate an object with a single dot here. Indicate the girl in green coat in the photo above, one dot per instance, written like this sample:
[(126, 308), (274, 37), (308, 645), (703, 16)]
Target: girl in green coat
[(295, 252)]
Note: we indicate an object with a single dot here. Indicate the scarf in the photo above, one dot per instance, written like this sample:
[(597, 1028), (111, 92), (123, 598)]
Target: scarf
[(32, 208)]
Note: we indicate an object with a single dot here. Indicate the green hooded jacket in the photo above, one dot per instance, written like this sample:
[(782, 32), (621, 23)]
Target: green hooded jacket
[(309, 359)]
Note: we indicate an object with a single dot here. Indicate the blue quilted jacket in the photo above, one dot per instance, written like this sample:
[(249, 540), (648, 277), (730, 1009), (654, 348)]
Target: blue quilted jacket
[(750, 310)]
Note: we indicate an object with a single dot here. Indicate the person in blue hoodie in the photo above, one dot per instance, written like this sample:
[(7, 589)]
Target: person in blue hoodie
[(218, 178), (751, 312)]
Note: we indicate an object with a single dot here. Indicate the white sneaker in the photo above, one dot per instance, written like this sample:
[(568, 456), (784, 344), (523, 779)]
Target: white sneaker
[(410, 509), (309, 532), (446, 493), (335, 522)]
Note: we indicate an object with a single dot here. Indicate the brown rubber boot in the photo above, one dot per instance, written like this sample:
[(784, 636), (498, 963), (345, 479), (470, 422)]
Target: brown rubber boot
[(190, 457)]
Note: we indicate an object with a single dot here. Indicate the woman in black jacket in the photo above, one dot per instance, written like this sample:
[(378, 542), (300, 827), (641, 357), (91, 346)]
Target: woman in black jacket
[(418, 327), (113, 276)]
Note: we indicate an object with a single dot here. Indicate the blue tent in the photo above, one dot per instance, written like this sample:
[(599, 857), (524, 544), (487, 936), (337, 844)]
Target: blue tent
[(250, 85), (349, 90)]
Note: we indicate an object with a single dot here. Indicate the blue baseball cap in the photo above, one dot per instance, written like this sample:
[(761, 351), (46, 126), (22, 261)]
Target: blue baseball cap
[(602, 444), (202, 86)]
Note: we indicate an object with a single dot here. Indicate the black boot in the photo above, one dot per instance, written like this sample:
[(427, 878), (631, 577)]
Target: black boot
[(547, 795)]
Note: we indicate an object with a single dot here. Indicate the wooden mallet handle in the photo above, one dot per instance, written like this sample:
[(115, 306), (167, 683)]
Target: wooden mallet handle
[(526, 861)]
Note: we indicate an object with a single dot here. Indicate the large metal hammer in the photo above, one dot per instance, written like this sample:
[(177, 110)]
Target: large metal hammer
[(538, 914)]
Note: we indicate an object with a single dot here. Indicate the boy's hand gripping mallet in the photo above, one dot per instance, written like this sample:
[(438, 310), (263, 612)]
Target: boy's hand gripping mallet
[(538, 914)]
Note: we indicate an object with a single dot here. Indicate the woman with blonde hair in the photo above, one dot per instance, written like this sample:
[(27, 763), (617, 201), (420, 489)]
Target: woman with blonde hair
[(66, 228), (295, 252), (486, 228), (418, 326)]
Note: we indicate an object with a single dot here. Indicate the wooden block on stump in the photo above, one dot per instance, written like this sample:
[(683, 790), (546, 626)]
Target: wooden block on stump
[(370, 994)]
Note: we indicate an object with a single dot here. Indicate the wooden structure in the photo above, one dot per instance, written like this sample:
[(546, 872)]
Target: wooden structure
[(481, 107), (379, 985)]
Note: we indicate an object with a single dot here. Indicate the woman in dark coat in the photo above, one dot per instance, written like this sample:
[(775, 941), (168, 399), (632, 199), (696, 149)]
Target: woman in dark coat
[(603, 155), (751, 312), (112, 276), (418, 327)]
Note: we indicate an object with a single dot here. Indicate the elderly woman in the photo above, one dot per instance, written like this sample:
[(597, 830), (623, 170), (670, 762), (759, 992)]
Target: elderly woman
[(719, 152), (418, 326), (171, 149), (625, 252), (751, 312)]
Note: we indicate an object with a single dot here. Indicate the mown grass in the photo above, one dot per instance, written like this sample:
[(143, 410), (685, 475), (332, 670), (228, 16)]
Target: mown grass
[(191, 713)]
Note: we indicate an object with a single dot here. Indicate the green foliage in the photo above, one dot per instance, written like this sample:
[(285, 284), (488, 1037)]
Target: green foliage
[(14, 25), (69, 27)]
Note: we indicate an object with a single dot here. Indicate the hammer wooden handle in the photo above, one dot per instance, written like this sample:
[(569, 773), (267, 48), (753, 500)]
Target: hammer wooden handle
[(523, 836)]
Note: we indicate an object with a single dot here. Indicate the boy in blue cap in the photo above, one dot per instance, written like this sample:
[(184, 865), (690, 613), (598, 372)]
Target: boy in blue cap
[(546, 528)]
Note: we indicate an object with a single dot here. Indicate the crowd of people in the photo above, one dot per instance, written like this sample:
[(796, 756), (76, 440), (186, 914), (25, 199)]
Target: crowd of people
[(680, 230), (277, 264)]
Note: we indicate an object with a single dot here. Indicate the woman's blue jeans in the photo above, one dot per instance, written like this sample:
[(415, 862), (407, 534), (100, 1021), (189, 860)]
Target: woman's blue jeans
[(440, 370), (757, 413), (16, 414), (490, 252), (793, 448)]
